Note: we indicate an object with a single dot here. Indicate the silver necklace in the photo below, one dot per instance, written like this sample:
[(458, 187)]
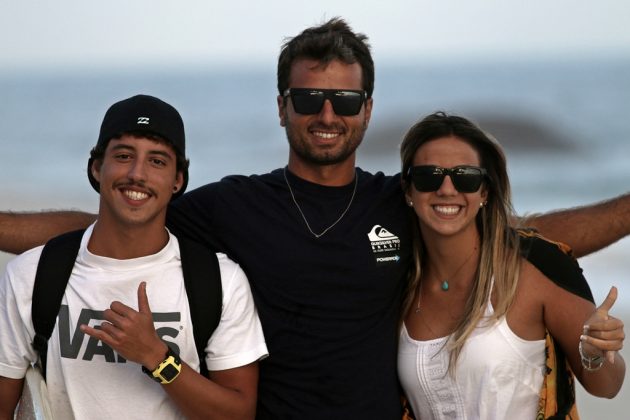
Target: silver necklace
[(445, 285), (318, 235)]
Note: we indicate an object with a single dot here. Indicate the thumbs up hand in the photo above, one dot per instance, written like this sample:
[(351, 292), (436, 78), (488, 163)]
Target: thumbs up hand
[(603, 333)]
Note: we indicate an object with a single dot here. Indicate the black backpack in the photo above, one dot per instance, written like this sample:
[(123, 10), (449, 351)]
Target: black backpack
[(202, 279)]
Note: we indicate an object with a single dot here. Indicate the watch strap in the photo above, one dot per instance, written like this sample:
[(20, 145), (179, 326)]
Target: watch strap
[(167, 370)]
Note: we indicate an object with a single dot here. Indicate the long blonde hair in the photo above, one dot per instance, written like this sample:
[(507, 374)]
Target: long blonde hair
[(499, 259)]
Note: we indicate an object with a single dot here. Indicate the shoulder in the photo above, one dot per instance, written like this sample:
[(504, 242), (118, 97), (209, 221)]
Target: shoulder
[(267, 180), (386, 186), (554, 261), (540, 293), (227, 265), (532, 279), (231, 185), (378, 178), (18, 280), (233, 277), (269, 177), (24, 265)]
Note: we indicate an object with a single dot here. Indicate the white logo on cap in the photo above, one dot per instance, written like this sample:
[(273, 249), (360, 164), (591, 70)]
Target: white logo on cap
[(143, 120)]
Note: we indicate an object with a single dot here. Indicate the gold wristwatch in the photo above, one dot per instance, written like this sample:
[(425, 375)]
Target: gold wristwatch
[(168, 369)]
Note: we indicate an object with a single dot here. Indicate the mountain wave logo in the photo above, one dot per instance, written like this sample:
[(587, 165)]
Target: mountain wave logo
[(379, 233)]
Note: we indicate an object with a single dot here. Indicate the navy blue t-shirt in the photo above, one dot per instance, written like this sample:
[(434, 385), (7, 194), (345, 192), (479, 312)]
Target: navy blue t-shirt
[(329, 306)]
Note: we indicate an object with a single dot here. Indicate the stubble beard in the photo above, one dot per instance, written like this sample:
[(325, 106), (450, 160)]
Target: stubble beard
[(303, 149)]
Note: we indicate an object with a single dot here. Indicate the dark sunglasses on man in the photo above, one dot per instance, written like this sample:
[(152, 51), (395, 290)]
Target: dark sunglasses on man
[(310, 101), (429, 178)]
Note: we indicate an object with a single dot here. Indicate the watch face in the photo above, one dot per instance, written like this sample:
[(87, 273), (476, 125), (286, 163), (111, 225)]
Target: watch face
[(169, 372)]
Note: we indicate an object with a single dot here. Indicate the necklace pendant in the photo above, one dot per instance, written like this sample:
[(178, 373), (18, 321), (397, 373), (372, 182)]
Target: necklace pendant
[(445, 285)]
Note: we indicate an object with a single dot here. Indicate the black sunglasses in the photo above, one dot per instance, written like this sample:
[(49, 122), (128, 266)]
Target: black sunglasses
[(310, 101), (428, 178)]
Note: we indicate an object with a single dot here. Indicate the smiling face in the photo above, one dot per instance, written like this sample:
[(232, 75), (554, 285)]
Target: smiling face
[(324, 138), (446, 212), (137, 178)]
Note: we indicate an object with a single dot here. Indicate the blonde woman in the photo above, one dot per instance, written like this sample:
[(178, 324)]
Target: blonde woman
[(478, 308)]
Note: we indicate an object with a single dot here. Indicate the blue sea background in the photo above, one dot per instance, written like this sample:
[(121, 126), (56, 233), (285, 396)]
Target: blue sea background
[(565, 125)]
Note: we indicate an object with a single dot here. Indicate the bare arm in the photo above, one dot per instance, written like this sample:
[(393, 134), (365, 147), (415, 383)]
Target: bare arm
[(10, 390), (565, 315), (229, 394), (22, 231), (587, 229)]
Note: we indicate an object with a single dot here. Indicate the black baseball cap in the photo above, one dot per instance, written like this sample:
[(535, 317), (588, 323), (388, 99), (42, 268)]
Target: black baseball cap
[(142, 114)]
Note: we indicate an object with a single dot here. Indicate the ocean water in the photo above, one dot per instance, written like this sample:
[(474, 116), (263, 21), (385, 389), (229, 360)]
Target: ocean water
[(565, 125)]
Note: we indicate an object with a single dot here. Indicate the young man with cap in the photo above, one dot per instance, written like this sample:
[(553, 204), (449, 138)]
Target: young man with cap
[(127, 283)]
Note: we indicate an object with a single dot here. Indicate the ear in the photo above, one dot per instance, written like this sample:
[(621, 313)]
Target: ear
[(281, 110), (484, 195), (179, 181), (408, 199), (368, 112), (96, 169)]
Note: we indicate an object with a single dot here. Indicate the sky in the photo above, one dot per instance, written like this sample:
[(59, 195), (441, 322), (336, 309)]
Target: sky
[(113, 34)]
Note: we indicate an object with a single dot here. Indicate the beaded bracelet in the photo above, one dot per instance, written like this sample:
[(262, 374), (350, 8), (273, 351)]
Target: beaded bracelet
[(590, 363)]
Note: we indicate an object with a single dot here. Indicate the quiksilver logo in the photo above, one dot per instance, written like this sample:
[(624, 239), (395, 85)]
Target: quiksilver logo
[(379, 233), (143, 120), (385, 245)]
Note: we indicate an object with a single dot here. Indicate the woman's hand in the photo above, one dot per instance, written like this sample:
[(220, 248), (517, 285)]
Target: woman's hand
[(603, 333)]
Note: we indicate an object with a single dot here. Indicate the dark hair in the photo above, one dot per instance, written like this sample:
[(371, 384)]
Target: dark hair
[(334, 40), (182, 163)]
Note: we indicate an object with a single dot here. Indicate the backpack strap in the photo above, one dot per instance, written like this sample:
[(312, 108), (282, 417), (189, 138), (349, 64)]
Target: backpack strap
[(53, 271), (202, 278)]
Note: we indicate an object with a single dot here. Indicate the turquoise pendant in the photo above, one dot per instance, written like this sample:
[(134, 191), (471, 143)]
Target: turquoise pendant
[(445, 285)]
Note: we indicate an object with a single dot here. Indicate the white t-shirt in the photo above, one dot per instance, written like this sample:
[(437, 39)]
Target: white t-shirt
[(499, 375), (86, 379)]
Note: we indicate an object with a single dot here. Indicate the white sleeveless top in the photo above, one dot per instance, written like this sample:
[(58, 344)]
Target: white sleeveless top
[(499, 375)]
